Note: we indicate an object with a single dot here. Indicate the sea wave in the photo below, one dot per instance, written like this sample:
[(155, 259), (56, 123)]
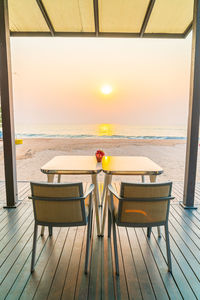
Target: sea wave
[(89, 136)]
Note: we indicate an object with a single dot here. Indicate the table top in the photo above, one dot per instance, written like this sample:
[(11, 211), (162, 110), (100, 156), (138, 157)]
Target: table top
[(72, 165), (130, 165), (115, 165)]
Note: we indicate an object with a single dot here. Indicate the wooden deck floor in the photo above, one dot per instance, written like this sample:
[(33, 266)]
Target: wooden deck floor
[(60, 260)]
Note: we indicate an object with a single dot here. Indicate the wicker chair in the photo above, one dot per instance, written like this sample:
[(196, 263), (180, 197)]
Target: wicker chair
[(61, 205), (140, 205)]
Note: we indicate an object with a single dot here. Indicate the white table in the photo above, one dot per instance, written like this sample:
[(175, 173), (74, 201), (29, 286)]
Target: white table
[(75, 165), (126, 165)]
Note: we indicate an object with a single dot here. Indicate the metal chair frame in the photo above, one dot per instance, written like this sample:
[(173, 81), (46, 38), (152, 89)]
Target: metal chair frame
[(112, 221), (86, 220)]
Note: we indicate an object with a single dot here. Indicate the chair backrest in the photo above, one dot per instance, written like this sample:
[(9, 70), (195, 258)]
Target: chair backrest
[(144, 204), (58, 204)]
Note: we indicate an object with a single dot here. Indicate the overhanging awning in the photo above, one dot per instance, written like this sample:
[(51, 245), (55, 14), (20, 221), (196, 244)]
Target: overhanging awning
[(103, 18)]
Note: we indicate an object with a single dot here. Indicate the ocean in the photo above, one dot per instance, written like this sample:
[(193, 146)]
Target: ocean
[(114, 131)]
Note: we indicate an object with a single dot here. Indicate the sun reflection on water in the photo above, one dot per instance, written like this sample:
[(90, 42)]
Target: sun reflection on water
[(105, 130)]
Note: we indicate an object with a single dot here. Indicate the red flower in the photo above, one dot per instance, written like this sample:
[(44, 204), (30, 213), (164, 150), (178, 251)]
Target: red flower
[(99, 155)]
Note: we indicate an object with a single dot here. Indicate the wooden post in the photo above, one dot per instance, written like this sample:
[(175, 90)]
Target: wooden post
[(7, 107), (193, 115)]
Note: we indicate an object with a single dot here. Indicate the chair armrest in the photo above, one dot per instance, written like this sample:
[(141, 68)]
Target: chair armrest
[(113, 191), (89, 191)]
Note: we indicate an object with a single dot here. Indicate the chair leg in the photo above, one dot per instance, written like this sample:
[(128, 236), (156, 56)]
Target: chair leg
[(89, 229), (50, 230), (115, 249), (159, 233), (168, 249), (91, 222), (34, 247), (148, 232), (109, 223), (42, 230)]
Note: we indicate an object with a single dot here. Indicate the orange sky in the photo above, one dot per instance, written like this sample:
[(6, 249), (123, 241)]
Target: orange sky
[(58, 80)]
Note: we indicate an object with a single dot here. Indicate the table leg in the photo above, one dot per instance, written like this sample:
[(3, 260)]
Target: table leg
[(153, 179), (104, 190), (50, 178), (96, 201), (108, 179), (143, 179), (59, 178)]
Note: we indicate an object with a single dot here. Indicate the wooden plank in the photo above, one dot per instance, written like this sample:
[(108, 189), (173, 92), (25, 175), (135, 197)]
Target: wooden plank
[(142, 273), (82, 285), (9, 215), (186, 231), (9, 229), (108, 276), (15, 261), (95, 282), (179, 194), (41, 262), (187, 253), (188, 218), (132, 279), (178, 189), (168, 280), (194, 212), (149, 276), (2, 193), (185, 267), (72, 273), (10, 233), (60, 261), (187, 237), (23, 190), (178, 271), (2, 211), (6, 214), (21, 269), (63, 265), (12, 247), (120, 282), (51, 267)]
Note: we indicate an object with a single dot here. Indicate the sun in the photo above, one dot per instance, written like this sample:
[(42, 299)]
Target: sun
[(106, 89)]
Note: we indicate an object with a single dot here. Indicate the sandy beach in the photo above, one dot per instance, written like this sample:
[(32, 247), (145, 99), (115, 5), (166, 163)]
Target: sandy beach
[(34, 153)]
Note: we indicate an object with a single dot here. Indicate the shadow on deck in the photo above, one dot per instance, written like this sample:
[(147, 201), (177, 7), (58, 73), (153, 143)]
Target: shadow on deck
[(59, 272)]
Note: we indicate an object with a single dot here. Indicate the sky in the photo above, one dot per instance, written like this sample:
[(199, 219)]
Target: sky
[(59, 80)]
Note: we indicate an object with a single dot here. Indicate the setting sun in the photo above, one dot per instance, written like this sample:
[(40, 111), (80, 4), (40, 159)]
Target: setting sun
[(106, 89)]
